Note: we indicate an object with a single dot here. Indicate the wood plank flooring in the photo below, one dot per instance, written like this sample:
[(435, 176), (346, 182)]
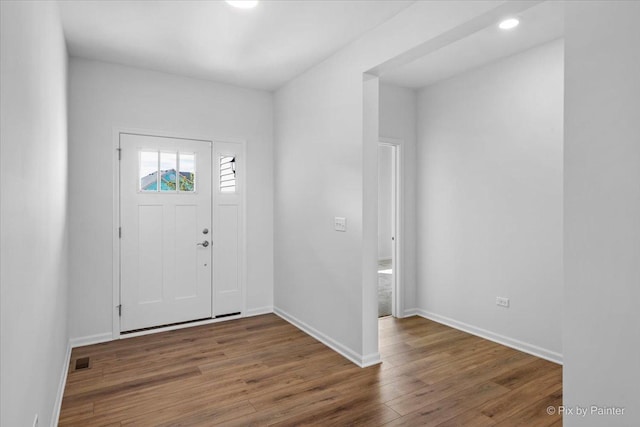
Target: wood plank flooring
[(263, 371)]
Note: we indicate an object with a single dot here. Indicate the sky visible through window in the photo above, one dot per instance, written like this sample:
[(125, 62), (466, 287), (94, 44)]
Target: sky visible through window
[(164, 167)]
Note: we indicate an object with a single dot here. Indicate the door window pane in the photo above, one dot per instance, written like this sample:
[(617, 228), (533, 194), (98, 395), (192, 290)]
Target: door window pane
[(187, 172), (168, 172), (148, 171)]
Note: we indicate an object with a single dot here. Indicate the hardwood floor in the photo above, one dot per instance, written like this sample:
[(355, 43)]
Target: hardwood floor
[(263, 371)]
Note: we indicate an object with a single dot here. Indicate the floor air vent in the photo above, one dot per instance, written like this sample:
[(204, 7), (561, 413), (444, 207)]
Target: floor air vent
[(82, 363)]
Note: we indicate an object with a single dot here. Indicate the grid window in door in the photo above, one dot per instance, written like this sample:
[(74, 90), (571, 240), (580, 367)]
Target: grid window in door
[(187, 172), (167, 172)]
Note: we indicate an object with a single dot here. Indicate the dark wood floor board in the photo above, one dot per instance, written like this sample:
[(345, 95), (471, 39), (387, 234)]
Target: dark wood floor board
[(415, 359), (118, 381), (530, 415), (470, 418), (431, 364), (482, 368), (431, 393), (439, 411), (195, 412), (422, 341), (224, 393), (274, 415), (526, 374), (148, 383), (263, 371), (75, 412), (508, 406), (432, 346), (402, 386), (344, 414)]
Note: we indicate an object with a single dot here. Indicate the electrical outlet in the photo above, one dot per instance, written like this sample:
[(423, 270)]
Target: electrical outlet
[(35, 421), (502, 302)]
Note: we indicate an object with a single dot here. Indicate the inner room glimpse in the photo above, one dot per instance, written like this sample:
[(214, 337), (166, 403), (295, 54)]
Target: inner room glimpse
[(481, 124), (385, 230)]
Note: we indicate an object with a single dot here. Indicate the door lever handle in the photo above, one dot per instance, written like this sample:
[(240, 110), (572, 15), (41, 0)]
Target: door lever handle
[(204, 244)]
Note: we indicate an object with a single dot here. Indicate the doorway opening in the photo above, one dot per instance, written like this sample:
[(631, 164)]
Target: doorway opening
[(473, 106), (388, 227)]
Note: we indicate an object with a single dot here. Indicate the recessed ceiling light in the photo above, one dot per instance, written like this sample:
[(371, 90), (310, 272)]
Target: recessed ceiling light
[(243, 4), (508, 24)]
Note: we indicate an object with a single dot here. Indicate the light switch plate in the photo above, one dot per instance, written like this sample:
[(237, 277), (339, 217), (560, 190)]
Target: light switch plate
[(340, 223), (502, 302)]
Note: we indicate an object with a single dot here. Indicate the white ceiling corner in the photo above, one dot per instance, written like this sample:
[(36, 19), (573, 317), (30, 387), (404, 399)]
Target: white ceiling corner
[(539, 24), (260, 48)]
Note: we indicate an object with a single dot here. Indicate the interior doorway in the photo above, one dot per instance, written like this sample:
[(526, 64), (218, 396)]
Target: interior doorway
[(388, 228)]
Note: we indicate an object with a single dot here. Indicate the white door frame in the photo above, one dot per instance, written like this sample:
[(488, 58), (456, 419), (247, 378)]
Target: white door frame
[(397, 213), (115, 324)]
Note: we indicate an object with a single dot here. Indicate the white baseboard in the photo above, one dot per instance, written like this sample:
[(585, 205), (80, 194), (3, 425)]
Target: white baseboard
[(99, 338), (71, 344), (370, 360), (358, 359), (258, 311), (408, 312), (61, 385), (532, 349), (91, 339)]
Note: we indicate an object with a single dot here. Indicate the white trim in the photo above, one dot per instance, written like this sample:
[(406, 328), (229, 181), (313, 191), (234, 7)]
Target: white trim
[(358, 359), (244, 168), (115, 278), (61, 386), (532, 349), (90, 339), (408, 312), (180, 326), (258, 311), (100, 338), (370, 360)]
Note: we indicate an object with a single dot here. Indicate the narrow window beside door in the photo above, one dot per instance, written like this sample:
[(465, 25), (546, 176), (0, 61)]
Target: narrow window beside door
[(227, 174)]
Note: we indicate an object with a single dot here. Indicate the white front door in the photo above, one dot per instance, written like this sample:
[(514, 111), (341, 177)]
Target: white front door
[(166, 231)]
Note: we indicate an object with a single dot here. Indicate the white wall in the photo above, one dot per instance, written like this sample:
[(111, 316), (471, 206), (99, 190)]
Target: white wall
[(104, 96), (602, 211), (398, 121), (323, 170), (385, 201), (490, 198), (33, 226)]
